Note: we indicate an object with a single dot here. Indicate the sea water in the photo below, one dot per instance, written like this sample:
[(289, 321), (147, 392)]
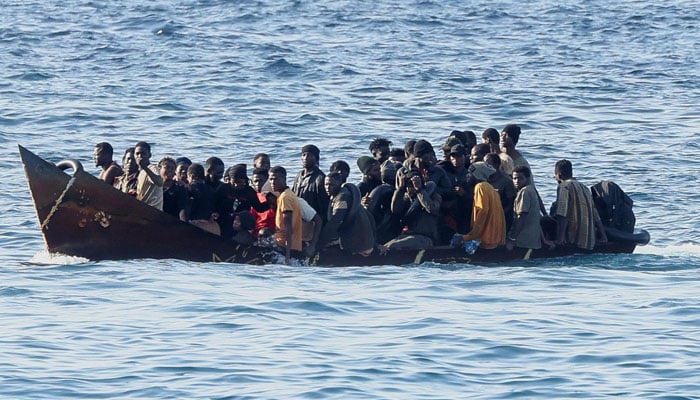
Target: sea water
[(614, 87)]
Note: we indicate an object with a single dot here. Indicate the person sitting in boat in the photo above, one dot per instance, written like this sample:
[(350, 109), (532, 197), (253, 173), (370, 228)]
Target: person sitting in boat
[(127, 181), (371, 174), (348, 222), (488, 223), (378, 204), (102, 155), (174, 195), (575, 212), (263, 219), (262, 161), (417, 204), (181, 170), (214, 172), (201, 200), (242, 226), (308, 184), (504, 185), (526, 232), (397, 156), (425, 161), (479, 152), (235, 195), (149, 186), (457, 208), (288, 232), (342, 167)]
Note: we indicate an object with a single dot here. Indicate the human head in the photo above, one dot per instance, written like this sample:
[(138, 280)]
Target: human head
[(181, 169), (333, 183), (142, 153), (493, 160), (563, 170), (237, 175), (166, 168), (510, 135), (380, 148), (129, 162), (490, 136), (342, 167), (449, 144), (243, 221), (214, 169), (478, 152), (278, 179), (458, 156), (310, 156), (261, 160), (424, 154), (102, 155), (408, 148), (397, 156), (369, 167), (521, 177), (195, 172), (259, 178), (480, 171)]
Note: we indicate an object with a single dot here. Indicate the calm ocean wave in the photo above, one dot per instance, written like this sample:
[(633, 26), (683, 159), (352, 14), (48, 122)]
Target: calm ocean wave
[(615, 88)]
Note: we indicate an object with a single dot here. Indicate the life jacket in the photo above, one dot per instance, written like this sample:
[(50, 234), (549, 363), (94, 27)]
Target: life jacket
[(614, 206)]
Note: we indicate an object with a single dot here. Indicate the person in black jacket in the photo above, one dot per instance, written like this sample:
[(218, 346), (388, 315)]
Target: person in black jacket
[(309, 183)]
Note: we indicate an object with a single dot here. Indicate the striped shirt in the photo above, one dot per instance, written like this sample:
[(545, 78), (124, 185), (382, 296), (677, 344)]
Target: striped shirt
[(575, 203)]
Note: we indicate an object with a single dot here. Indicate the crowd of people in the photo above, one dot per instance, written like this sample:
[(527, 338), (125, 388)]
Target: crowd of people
[(406, 198)]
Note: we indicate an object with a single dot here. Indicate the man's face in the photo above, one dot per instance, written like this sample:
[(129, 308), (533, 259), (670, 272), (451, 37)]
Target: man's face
[(129, 163), (167, 171), (506, 140), (308, 160), (181, 172), (258, 181), (519, 180), (381, 153), (142, 155), (278, 182), (375, 172), (332, 186), (457, 160), (216, 172), (426, 160), (262, 163), (100, 157)]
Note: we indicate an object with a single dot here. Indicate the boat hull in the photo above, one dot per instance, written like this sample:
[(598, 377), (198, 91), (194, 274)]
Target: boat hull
[(82, 216)]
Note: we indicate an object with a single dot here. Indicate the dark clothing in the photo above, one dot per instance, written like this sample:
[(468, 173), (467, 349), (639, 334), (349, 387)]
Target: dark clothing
[(201, 201), (506, 190), (379, 206), (419, 215), (310, 187), (230, 200), (348, 221), (366, 185), (127, 184), (175, 199)]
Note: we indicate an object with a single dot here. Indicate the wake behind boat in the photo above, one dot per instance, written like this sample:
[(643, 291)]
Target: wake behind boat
[(81, 216)]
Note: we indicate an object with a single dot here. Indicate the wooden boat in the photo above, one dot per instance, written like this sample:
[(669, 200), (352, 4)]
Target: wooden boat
[(81, 216)]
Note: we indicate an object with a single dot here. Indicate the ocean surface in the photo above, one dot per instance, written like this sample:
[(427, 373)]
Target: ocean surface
[(612, 86)]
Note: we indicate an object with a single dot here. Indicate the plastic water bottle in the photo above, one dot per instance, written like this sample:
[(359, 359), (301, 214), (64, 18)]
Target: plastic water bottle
[(470, 246)]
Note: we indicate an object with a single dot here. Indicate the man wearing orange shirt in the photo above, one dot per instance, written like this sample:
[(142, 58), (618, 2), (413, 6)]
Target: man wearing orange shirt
[(488, 221), (288, 234)]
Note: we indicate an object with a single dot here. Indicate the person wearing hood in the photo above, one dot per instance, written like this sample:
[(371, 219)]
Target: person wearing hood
[(371, 174), (488, 224)]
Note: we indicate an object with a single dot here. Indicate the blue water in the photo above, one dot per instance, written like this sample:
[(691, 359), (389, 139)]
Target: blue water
[(615, 87)]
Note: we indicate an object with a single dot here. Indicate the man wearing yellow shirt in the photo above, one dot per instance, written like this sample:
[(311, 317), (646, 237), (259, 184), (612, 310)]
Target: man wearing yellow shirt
[(288, 234), (488, 221)]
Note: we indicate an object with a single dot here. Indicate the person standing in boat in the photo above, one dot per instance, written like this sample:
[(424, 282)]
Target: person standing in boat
[(526, 232), (102, 155), (575, 212), (491, 137), (127, 181), (288, 229), (174, 194), (149, 186), (264, 219), (488, 223), (417, 204), (181, 170), (309, 182), (214, 169)]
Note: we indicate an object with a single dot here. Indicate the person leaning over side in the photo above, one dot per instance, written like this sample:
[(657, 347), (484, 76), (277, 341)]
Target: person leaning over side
[(526, 231), (575, 212), (149, 186)]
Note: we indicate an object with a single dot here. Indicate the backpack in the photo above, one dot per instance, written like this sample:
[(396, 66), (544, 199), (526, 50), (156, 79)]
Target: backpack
[(614, 206)]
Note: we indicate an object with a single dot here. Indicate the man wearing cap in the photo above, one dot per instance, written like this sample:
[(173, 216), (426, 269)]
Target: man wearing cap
[(234, 196), (310, 180), (425, 161), (488, 223), (371, 174)]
